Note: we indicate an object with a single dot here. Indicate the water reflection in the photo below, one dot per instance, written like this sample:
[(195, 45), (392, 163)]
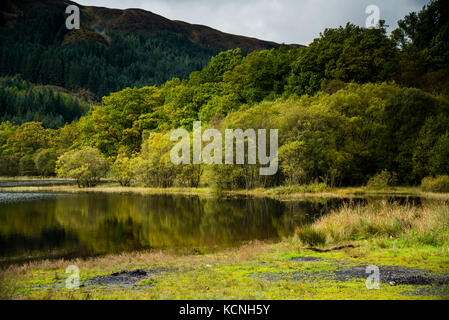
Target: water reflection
[(92, 224)]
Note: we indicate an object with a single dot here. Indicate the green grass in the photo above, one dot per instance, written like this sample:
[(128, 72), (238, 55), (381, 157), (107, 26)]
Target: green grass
[(389, 235), (439, 184), (230, 274), (427, 224), (281, 193), (37, 178), (312, 188)]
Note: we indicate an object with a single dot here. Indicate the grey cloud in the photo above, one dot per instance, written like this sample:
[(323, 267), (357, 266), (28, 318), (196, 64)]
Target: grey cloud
[(288, 21)]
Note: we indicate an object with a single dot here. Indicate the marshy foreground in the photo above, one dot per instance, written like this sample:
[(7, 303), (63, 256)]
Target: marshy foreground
[(201, 247)]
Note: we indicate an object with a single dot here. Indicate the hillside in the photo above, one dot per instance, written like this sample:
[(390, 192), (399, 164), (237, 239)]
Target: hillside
[(354, 103), (53, 106), (140, 21), (114, 49)]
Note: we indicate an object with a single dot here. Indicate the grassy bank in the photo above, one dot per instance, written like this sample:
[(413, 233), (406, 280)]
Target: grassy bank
[(387, 235), (382, 222), (31, 178), (281, 193)]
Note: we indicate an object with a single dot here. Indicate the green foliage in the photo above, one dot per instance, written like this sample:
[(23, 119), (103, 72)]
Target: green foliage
[(41, 49), (23, 102), (382, 180), (310, 236), (25, 139), (261, 74), (308, 188), (439, 156), (290, 158), (424, 38), (340, 118), (154, 167), (427, 30), (429, 135), (26, 166), (31, 149), (120, 121), (9, 166), (87, 166), (405, 116), (124, 169), (217, 67), (189, 175), (347, 54), (45, 162), (225, 177), (439, 184)]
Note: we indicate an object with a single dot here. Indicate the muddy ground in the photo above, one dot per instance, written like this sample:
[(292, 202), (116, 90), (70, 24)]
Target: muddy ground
[(124, 278), (437, 284)]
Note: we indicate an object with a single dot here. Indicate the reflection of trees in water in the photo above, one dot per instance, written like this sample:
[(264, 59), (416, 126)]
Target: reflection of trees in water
[(112, 223), (32, 227), (50, 238), (27, 218), (106, 223), (227, 222)]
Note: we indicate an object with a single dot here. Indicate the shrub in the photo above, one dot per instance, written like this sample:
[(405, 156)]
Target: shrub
[(382, 180), (225, 177), (311, 236), (87, 166), (154, 167), (439, 156), (310, 188), (190, 175), (439, 184), (45, 162), (123, 169), (290, 157), (9, 166), (26, 166), (423, 225)]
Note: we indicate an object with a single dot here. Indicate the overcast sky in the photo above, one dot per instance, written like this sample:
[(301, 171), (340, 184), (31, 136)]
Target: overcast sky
[(288, 21)]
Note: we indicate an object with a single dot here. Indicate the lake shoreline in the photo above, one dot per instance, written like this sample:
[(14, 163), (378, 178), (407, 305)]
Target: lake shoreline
[(412, 257), (256, 270), (279, 193)]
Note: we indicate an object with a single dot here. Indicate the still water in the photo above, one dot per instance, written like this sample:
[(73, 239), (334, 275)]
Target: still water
[(38, 226)]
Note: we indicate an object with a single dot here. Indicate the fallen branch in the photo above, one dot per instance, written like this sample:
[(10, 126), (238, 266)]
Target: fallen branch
[(332, 249)]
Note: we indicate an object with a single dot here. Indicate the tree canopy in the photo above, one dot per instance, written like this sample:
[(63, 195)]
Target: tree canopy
[(356, 104)]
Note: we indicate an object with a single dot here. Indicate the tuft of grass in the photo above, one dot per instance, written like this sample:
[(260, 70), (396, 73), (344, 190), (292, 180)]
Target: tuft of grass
[(7, 284), (382, 180), (425, 225), (311, 188), (439, 184), (311, 236)]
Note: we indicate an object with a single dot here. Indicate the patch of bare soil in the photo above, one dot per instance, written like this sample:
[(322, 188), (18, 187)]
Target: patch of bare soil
[(123, 278)]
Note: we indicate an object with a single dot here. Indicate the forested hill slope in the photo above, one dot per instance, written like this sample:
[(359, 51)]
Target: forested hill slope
[(21, 101), (114, 49), (140, 21)]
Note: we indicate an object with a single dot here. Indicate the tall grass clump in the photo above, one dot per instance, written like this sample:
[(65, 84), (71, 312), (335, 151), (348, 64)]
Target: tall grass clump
[(7, 286), (311, 236), (309, 188), (439, 184), (424, 225), (382, 180)]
